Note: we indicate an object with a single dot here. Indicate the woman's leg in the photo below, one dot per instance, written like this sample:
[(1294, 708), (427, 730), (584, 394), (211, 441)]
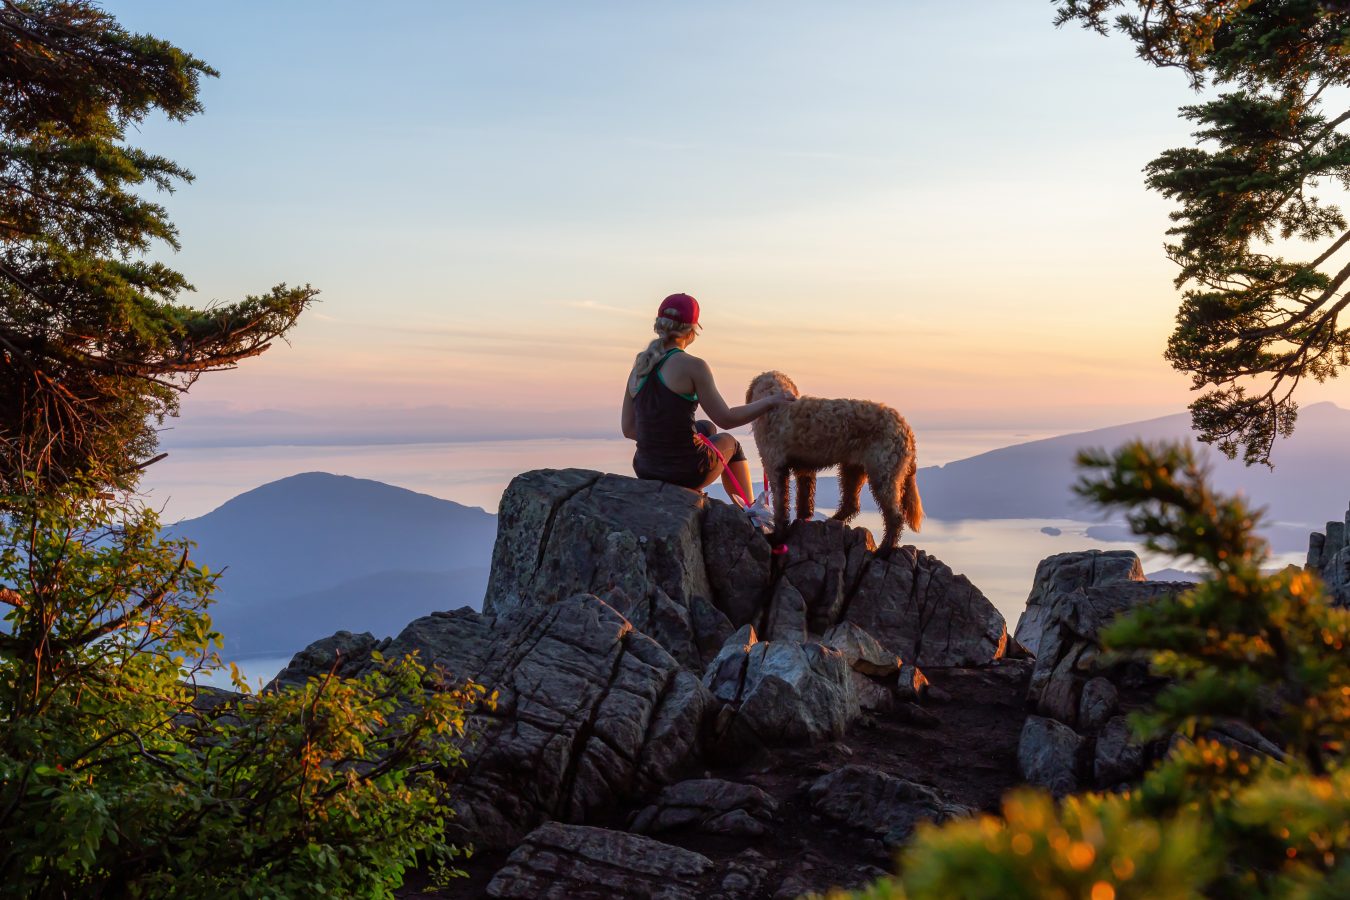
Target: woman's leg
[(730, 448), (738, 467)]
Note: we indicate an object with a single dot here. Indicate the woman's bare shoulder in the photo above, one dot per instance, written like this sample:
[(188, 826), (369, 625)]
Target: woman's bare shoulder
[(688, 362)]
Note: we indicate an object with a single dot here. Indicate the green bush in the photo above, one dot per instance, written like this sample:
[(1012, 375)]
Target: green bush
[(1267, 650), (118, 777)]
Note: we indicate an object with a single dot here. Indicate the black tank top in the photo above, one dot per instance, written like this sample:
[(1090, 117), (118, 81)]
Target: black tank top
[(667, 446)]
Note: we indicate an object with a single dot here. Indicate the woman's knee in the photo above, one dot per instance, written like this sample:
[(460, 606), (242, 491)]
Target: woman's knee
[(730, 447)]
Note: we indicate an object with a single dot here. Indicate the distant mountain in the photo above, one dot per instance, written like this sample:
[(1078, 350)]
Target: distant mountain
[(381, 603), (313, 553), (1310, 482)]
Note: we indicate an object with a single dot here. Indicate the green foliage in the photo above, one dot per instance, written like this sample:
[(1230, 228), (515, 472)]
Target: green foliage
[(1252, 324), (1265, 650), (117, 777), (95, 343)]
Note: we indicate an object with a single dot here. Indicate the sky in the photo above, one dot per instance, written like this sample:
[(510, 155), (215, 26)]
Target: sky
[(936, 205)]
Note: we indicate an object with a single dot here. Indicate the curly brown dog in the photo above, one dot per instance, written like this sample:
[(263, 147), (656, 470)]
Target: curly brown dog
[(867, 441)]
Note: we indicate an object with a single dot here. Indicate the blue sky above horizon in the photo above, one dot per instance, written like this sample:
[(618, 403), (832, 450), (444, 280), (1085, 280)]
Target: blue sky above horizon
[(936, 205)]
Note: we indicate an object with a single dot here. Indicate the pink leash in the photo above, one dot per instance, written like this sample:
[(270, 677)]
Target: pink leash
[(726, 467), (778, 549)]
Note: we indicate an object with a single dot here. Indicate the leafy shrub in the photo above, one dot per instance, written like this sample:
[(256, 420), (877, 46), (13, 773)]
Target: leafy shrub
[(119, 777)]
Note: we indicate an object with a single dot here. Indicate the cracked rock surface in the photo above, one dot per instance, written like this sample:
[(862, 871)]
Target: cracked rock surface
[(589, 712)]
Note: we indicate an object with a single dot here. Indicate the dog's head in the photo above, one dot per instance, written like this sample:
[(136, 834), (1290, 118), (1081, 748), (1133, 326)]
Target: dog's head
[(769, 383)]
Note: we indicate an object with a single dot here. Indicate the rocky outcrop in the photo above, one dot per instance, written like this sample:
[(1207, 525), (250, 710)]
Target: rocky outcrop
[(711, 805), (1329, 557), (589, 711), (926, 614), (778, 692), (688, 571), (1048, 753), (636, 543), (1074, 694), (1065, 573), (871, 800), (562, 862), (639, 635)]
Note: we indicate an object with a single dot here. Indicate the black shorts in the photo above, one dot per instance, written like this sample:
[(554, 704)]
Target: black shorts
[(689, 470)]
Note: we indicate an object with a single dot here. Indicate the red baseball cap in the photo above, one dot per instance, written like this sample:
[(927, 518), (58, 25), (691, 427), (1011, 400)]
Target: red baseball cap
[(680, 307)]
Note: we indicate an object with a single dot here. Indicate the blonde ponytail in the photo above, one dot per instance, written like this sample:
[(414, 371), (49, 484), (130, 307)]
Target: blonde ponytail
[(646, 360)]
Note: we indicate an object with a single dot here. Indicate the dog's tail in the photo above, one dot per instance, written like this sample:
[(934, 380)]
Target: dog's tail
[(913, 505)]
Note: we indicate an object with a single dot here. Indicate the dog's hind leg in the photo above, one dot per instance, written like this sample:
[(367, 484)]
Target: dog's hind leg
[(806, 493), (851, 480), (886, 490)]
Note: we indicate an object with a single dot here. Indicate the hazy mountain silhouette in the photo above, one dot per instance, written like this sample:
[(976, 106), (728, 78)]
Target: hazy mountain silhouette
[(1310, 482), (313, 553)]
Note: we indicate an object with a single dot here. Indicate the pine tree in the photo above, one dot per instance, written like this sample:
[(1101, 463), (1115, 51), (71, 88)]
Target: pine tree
[(96, 344), (1252, 324)]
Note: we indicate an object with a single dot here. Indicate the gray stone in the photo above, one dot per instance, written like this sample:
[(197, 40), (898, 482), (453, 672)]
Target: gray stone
[(1067, 572), (562, 862), (1336, 577), (873, 695), (1047, 755), (342, 654), (1118, 757), (708, 804), (572, 531), (1071, 613), (918, 609), (1240, 736), (1098, 703), (739, 563), (1316, 544), (780, 693), (911, 684), (824, 562), (524, 523), (1335, 536), (861, 650), (687, 571), (590, 712), (787, 615), (871, 800)]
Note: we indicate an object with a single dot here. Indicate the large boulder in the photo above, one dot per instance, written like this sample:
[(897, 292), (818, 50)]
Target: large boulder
[(871, 800), (687, 571), (777, 693), (1329, 557), (590, 712), (923, 612), (563, 862), (573, 531), (1076, 737), (823, 563), (1047, 754), (1066, 572), (1081, 594), (708, 804)]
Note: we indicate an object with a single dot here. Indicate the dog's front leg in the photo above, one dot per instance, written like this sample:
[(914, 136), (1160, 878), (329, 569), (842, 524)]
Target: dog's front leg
[(806, 493), (778, 477)]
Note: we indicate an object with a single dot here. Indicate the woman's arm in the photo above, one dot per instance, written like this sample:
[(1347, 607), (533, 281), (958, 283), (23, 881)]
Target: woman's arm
[(722, 415), (627, 421)]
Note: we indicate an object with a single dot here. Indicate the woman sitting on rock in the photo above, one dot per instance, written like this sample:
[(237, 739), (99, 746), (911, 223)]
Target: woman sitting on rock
[(664, 389)]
